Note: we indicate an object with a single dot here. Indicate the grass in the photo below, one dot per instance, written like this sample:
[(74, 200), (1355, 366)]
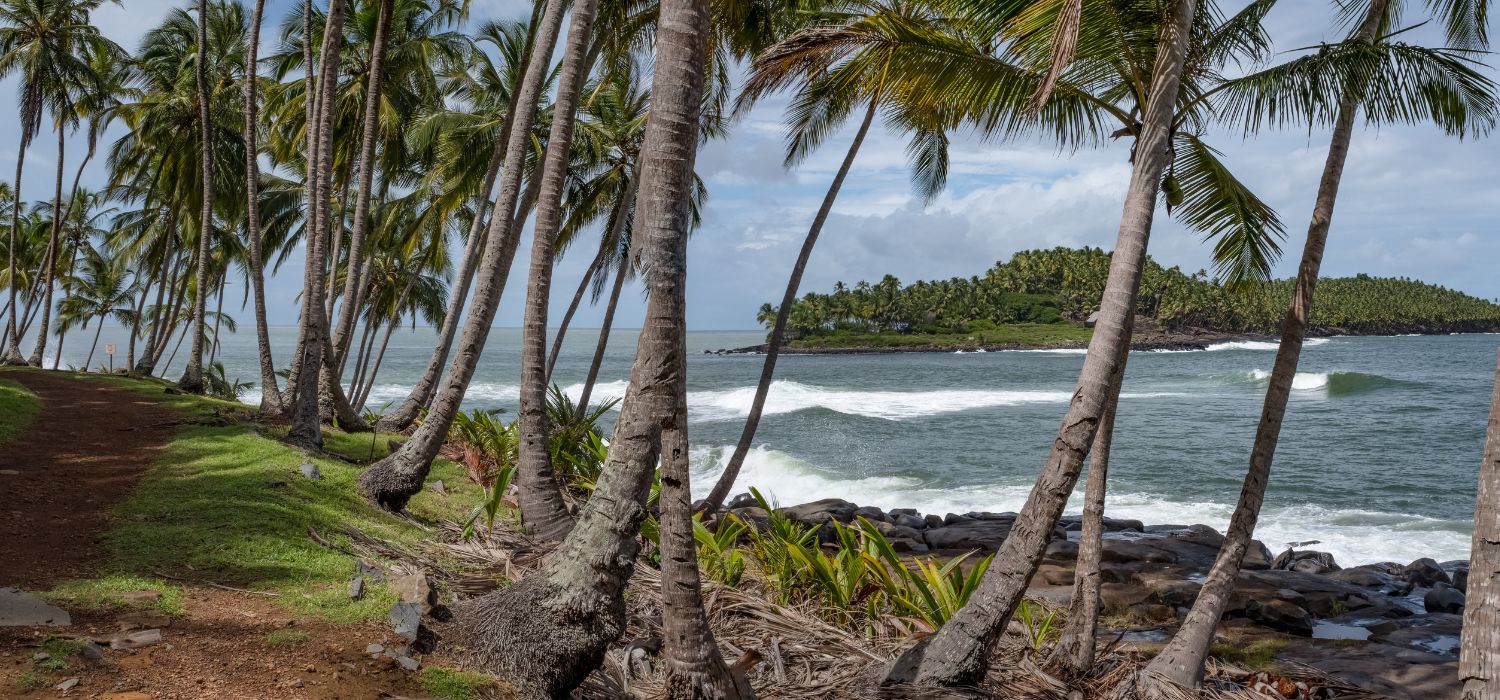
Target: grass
[(1019, 335), (108, 592), (285, 638), (58, 651), (31, 680), (228, 504), (452, 684), (1259, 655), (17, 407)]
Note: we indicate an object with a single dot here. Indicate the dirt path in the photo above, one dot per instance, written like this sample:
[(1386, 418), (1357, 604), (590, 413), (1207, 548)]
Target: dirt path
[(81, 454)]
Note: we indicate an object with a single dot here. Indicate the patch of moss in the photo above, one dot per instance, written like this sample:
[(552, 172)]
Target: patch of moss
[(453, 684), (109, 592), (17, 407), (1258, 655), (285, 637)]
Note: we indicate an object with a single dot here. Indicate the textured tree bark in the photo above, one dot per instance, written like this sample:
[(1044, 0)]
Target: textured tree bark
[(566, 614), (270, 394), (310, 94), (192, 376), (49, 261), (542, 506), (392, 481), (352, 279), (959, 653), (1479, 654), (726, 480), (1180, 663)]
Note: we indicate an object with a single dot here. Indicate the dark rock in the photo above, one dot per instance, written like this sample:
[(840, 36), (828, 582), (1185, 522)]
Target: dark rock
[(372, 572), (356, 588), (1376, 576), (1164, 528), (964, 535), (1176, 594), (1425, 572), (1324, 596), (1307, 561), (1061, 551), (1114, 573), (1074, 523), (1054, 575), (417, 589), (934, 520), (912, 521), (21, 609), (1434, 632), (752, 515), (1280, 615), (1129, 551), (871, 513), (820, 512), (1444, 598), (92, 652), (904, 511), (406, 620), (1257, 558), (903, 539), (1461, 580), (1152, 612), (743, 500)]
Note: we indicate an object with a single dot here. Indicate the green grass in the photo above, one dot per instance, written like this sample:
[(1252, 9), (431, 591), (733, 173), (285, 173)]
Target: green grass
[(452, 684), (1020, 334), (107, 592), (31, 680), (1257, 656), (59, 652), (228, 504), (285, 638), (17, 407)]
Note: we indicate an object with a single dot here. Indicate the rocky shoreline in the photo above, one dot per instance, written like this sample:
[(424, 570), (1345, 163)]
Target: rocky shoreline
[(1401, 618)]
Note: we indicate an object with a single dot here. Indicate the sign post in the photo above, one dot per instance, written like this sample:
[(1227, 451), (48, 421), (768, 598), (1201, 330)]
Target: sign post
[(109, 349)]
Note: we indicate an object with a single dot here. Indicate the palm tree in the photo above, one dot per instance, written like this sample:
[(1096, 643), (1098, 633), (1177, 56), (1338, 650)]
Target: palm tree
[(46, 43), (958, 654), (1389, 81), (394, 480), (105, 290), (270, 393), (192, 376), (568, 613), (1479, 652)]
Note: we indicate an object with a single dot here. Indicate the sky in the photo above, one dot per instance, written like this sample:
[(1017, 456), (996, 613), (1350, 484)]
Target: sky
[(1414, 202)]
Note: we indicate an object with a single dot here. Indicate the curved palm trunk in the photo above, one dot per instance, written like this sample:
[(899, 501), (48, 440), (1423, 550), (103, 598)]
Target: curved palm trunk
[(49, 261), (567, 319), (165, 280), (392, 481), (604, 329), (12, 353), (959, 653), (1479, 654), (542, 506), (366, 166), (310, 101), (62, 330), (566, 614), (192, 377), (93, 347), (306, 428), (270, 394), (364, 393), (1181, 661), (726, 480)]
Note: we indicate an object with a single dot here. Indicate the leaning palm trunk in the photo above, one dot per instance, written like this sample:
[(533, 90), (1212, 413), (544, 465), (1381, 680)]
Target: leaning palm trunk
[(344, 330), (567, 319), (12, 353), (604, 328), (959, 653), (778, 332), (1479, 655), (547, 518), (192, 376), (270, 394), (566, 614), (49, 261), (394, 480), (1181, 662)]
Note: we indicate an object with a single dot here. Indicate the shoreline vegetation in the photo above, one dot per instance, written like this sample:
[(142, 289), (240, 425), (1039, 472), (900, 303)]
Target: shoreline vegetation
[(1049, 299)]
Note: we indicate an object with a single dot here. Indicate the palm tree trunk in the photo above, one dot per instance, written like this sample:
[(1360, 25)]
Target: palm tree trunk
[(313, 380), (1181, 661), (165, 278), (366, 179), (12, 353), (959, 653), (604, 328), (93, 347), (213, 347), (310, 104), (567, 319), (542, 506), (192, 377), (270, 393), (392, 481), (1479, 654), (49, 261), (140, 308), (566, 614), (726, 480), (420, 394), (361, 355), (364, 393)]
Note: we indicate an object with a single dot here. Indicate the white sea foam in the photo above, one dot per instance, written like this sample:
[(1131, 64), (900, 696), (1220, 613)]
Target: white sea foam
[(1056, 351), (1353, 536), (603, 391), (1259, 344), (1304, 381), (788, 396), (480, 392)]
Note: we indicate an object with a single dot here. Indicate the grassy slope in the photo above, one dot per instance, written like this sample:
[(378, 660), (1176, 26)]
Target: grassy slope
[(1021, 334), (17, 407), (230, 502)]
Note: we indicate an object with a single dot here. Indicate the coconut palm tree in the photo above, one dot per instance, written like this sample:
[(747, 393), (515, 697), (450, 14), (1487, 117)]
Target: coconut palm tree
[(192, 376), (105, 290), (45, 43), (1479, 650), (270, 393), (1390, 82), (567, 639)]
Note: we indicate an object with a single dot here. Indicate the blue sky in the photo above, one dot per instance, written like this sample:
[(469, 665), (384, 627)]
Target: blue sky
[(1413, 203)]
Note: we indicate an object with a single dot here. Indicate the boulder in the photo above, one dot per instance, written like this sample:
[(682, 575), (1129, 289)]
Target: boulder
[(1425, 572), (934, 520), (1116, 573), (406, 620), (1132, 551), (1444, 598), (902, 539), (1257, 558), (1433, 632), (914, 522), (872, 514), (1054, 575), (1061, 551), (1176, 594), (1307, 561), (1461, 580), (820, 512), (964, 535), (1281, 615), (1376, 576), (1074, 523), (904, 511), (1324, 596), (743, 500), (416, 589)]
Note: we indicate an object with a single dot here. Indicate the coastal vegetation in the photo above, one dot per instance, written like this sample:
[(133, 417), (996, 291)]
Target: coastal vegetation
[(1044, 297), (402, 153)]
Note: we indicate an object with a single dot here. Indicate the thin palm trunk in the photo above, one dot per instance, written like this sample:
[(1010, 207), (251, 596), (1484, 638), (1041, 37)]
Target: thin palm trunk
[(366, 179), (422, 392), (62, 330), (604, 328), (726, 480), (959, 653), (165, 278), (566, 614), (140, 308), (542, 506), (1181, 661), (364, 393), (49, 261), (394, 480), (12, 353), (192, 377), (567, 319), (213, 347), (95, 346), (361, 355), (270, 393), (310, 101), (1479, 652)]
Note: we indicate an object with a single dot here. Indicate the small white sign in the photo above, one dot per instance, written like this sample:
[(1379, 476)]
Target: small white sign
[(109, 348)]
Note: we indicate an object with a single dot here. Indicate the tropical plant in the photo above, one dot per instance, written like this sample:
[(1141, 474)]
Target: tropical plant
[(104, 289), (718, 551)]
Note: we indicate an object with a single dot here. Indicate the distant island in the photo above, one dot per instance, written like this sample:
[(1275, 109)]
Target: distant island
[(1046, 298)]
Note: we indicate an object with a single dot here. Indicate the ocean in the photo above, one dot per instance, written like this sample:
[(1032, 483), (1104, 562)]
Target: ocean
[(1378, 457)]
